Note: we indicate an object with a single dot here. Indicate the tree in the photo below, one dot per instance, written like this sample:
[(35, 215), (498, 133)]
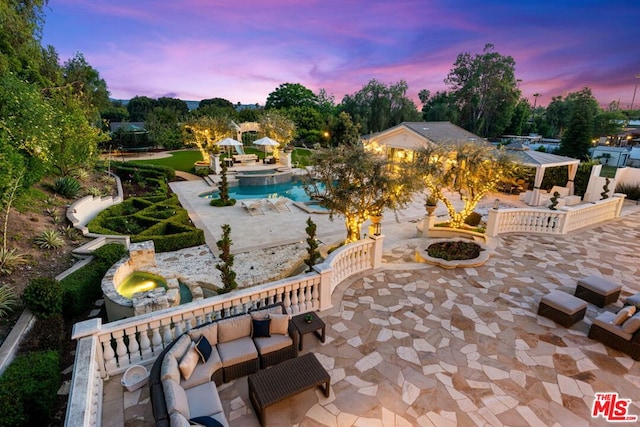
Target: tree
[(277, 126), (163, 127), (576, 141), (312, 245), (440, 107), (216, 102), (519, 119), (291, 95), (485, 89), (139, 107), (227, 274), (86, 83), (358, 184), (76, 144), (467, 168), (308, 122), (342, 130), (177, 105), (377, 107), (204, 132)]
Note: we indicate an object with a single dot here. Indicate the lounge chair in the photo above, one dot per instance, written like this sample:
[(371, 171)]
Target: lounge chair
[(254, 208), (279, 204)]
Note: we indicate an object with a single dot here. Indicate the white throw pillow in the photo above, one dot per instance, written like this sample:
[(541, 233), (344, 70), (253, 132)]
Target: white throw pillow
[(632, 325), (189, 362), (624, 314)]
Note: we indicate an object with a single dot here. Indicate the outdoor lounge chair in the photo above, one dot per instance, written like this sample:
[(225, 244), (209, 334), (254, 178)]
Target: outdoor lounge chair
[(279, 204), (254, 208)]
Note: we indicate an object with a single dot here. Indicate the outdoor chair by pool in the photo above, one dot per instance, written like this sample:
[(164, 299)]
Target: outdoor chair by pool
[(279, 204), (254, 208)]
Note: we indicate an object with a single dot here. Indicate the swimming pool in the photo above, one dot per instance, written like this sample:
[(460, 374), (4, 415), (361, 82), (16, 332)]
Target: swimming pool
[(294, 190)]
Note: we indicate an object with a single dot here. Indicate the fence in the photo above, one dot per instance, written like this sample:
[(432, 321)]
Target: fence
[(565, 220)]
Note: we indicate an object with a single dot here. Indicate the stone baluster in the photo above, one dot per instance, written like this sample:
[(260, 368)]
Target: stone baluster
[(287, 300), (108, 354), (121, 348), (167, 336), (145, 343), (294, 301), (156, 338), (315, 297), (133, 347), (309, 296)]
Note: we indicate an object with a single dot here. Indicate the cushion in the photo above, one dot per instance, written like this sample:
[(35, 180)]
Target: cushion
[(189, 362), (261, 328), (203, 372), (176, 398), (273, 343), (179, 349), (233, 328), (605, 321), (260, 314), (203, 348), (563, 302), (210, 331), (631, 325), (279, 324), (237, 351), (624, 314), (176, 419), (206, 422), (204, 400), (599, 285), (169, 369)]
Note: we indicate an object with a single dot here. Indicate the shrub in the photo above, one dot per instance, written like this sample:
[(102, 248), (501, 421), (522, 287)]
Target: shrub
[(70, 232), (94, 191), (219, 203), (631, 190), (8, 300), (43, 296), (81, 174), (454, 250), (10, 259), (110, 254), (473, 219), (67, 187), (49, 239), (28, 389)]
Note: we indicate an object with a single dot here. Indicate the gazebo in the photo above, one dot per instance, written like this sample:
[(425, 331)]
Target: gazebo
[(540, 160)]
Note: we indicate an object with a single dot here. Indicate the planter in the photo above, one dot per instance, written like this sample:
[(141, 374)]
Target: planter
[(431, 209), (423, 256), (201, 166)]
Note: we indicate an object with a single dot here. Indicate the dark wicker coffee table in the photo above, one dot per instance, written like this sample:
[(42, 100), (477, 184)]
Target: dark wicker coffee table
[(284, 380), (303, 327)]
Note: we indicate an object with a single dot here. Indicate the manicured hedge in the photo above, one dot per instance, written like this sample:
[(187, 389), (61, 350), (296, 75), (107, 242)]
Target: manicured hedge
[(124, 170), (168, 236), (83, 287), (28, 389)]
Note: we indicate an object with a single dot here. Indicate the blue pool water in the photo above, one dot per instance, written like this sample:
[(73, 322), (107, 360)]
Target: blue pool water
[(293, 190)]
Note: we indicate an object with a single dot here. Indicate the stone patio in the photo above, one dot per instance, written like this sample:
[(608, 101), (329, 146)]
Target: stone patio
[(411, 344)]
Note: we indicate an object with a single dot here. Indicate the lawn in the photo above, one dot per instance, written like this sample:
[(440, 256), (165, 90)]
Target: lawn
[(179, 160), (184, 160)]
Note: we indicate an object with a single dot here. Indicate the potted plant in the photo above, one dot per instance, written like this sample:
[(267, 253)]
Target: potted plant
[(308, 317), (431, 203)]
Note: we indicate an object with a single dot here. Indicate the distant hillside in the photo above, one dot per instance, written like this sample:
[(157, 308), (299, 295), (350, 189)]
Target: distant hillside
[(192, 105)]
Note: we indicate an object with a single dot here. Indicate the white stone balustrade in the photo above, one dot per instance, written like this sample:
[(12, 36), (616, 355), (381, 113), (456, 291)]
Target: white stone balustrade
[(547, 221)]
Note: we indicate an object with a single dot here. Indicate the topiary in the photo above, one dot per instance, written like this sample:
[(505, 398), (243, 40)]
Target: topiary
[(473, 219), (554, 200), (110, 254), (43, 296), (67, 186)]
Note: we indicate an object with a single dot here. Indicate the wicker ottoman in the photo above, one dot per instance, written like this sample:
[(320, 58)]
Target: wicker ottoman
[(562, 308), (598, 291)]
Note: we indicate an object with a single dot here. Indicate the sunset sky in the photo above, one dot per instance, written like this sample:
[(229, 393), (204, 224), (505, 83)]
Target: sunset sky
[(241, 50)]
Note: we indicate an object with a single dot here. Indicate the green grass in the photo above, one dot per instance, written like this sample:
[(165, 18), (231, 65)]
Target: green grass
[(184, 160), (179, 160), (33, 200), (608, 171)]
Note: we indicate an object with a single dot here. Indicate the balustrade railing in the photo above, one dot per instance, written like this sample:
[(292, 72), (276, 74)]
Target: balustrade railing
[(537, 220), (109, 349)]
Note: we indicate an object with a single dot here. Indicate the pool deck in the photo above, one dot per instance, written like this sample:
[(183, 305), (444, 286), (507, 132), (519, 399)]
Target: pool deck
[(411, 344)]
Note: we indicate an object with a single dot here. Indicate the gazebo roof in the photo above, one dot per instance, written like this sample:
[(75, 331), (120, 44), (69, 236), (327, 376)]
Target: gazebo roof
[(528, 157)]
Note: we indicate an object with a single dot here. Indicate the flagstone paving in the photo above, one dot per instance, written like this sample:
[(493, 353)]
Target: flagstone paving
[(411, 344)]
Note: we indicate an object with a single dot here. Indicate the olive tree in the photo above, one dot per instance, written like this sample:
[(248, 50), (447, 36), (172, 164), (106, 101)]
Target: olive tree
[(204, 132), (358, 184), (469, 169)]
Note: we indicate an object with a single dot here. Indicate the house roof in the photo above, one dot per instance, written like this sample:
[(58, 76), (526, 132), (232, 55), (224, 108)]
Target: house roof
[(416, 135), (528, 157)]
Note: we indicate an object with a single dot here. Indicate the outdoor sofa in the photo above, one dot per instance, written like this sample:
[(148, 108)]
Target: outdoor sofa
[(236, 346), (620, 331)]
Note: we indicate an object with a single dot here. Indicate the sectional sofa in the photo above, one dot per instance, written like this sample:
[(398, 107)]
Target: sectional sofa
[(184, 377)]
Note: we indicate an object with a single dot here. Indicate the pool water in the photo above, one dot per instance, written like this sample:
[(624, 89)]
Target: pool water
[(293, 190)]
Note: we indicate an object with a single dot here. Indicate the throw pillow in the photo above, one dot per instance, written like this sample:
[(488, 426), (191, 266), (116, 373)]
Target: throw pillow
[(206, 421), (279, 324), (176, 398), (189, 362), (624, 314), (259, 315), (632, 325), (176, 419), (203, 348), (261, 328)]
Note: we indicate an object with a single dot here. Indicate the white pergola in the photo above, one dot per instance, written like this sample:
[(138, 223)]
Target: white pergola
[(541, 161)]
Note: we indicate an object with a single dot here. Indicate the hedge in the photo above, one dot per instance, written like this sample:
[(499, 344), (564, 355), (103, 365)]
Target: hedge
[(83, 287), (144, 170), (28, 389), (168, 236)]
